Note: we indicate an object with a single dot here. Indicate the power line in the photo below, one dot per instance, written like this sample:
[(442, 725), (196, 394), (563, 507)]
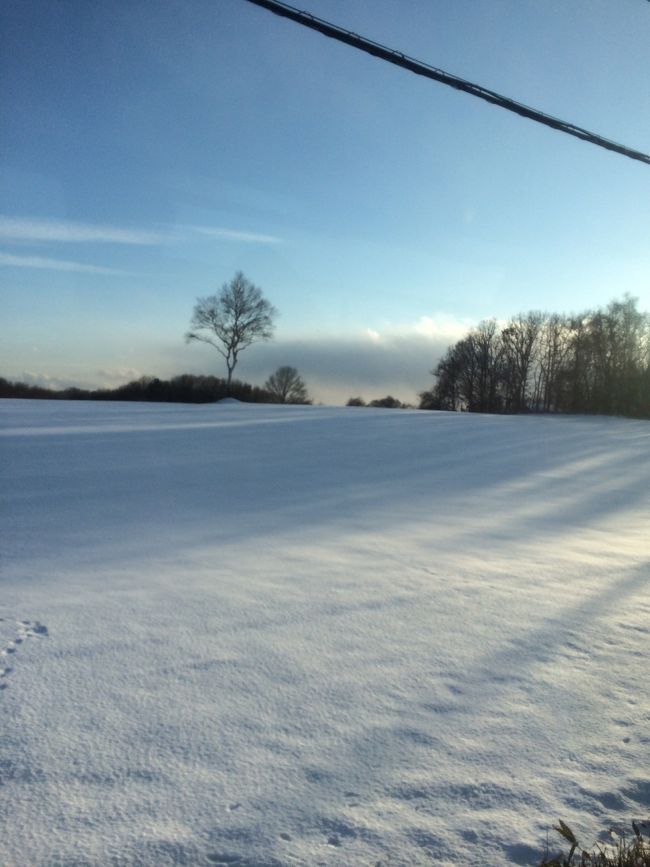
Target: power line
[(419, 68)]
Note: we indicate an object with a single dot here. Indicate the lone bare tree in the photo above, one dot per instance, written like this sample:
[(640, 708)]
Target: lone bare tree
[(232, 320), (286, 386)]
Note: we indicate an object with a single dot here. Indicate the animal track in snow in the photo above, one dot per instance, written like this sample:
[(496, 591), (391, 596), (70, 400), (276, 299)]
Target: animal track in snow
[(21, 629)]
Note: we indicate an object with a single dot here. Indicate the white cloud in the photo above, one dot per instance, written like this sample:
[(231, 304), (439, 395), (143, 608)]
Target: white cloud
[(236, 235), (443, 325), (107, 378), (10, 261), (27, 229), (112, 377), (438, 327), (45, 380)]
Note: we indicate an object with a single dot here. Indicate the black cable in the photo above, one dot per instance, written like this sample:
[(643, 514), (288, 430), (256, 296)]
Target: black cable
[(419, 68)]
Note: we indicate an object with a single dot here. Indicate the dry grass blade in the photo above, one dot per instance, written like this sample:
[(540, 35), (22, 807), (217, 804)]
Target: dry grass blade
[(624, 852)]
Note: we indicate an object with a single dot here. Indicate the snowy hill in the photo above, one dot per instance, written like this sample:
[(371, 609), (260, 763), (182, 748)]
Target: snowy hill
[(270, 635)]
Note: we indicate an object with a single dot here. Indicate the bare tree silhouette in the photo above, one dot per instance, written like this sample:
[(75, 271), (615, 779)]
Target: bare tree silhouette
[(232, 320), (286, 386)]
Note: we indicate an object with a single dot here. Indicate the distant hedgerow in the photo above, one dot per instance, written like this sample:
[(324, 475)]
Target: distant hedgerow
[(186, 388)]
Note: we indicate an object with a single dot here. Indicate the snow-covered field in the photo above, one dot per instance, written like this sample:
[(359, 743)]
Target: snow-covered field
[(248, 635)]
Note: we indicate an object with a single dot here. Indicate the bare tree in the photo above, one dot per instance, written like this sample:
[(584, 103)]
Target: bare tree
[(232, 320), (549, 366), (286, 386), (520, 340), (597, 361), (488, 354)]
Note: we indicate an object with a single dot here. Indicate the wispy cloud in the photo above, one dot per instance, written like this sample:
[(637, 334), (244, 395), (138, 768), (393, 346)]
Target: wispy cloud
[(27, 229), (235, 235), (11, 261)]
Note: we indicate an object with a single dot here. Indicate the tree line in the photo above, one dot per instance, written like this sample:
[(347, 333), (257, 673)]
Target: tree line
[(284, 386), (593, 362)]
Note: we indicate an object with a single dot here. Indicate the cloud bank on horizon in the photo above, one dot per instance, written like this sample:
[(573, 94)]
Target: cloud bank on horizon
[(369, 364)]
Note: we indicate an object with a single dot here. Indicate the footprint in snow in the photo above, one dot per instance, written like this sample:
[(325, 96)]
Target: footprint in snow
[(22, 630)]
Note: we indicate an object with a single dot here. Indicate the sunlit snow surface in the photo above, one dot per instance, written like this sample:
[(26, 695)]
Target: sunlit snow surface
[(252, 635)]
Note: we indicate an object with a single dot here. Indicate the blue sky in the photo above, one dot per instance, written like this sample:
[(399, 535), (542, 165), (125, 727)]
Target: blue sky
[(150, 150)]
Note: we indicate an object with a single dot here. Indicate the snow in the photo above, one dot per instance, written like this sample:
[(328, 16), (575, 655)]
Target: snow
[(271, 635)]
